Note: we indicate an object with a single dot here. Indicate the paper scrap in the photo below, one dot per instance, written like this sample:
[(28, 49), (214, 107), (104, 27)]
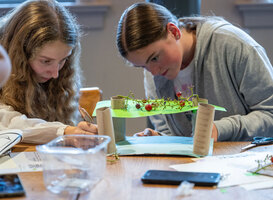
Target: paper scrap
[(20, 162), (159, 145), (232, 167)]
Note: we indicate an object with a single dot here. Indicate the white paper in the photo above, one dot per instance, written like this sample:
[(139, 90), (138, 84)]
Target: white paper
[(7, 165), (233, 167), (27, 161), (259, 185), (20, 162)]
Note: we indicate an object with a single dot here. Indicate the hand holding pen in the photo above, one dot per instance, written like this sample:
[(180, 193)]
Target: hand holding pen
[(86, 127), (86, 117), (88, 123)]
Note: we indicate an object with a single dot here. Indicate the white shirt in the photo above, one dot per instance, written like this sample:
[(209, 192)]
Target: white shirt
[(184, 80), (34, 130)]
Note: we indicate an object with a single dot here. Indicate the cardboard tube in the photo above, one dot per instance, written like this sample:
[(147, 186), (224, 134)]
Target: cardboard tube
[(117, 102), (105, 127), (203, 129), (119, 128), (196, 101)]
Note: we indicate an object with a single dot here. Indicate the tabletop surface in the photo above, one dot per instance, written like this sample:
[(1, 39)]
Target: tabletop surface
[(122, 179)]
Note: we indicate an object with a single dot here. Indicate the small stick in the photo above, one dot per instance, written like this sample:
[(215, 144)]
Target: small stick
[(85, 115)]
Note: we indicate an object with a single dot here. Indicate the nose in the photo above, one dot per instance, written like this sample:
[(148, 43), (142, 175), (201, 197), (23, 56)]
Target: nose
[(54, 72)]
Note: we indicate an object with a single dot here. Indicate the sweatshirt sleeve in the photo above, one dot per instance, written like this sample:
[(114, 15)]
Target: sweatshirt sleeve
[(34, 130), (158, 121), (253, 74)]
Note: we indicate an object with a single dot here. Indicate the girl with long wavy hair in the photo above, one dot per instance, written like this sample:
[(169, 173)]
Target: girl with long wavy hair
[(41, 96)]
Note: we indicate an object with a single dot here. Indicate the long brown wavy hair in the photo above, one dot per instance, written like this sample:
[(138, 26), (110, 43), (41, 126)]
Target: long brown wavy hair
[(24, 31), (144, 23)]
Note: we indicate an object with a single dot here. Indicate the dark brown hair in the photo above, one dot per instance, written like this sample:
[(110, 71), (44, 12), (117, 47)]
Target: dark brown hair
[(144, 23)]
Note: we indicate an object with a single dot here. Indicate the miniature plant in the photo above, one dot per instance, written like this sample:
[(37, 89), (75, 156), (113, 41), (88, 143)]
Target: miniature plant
[(113, 158), (262, 164), (163, 103)]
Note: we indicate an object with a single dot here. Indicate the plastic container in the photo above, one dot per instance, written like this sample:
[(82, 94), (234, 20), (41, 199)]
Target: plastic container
[(73, 163)]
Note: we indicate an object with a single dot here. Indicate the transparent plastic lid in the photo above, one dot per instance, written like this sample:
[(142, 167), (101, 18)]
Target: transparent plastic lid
[(75, 144)]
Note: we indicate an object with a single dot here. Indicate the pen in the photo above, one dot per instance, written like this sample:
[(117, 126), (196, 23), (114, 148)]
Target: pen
[(257, 141), (85, 115), (147, 132)]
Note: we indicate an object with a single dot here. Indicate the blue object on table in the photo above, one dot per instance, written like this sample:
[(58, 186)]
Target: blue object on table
[(158, 145), (259, 140)]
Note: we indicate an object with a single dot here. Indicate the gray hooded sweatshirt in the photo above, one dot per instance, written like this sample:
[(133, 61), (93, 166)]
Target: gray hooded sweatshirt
[(230, 70)]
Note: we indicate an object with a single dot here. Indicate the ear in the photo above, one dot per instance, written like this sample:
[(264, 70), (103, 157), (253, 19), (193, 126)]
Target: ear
[(174, 30)]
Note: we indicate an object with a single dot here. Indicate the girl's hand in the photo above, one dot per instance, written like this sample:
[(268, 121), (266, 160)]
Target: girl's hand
[(214, 134), (147, 132), (83, 128)]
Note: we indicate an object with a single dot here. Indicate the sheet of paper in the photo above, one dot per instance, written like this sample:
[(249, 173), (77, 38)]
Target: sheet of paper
[(232, 167), (259, 185), (27, 161), (20, 162), (264, 169), (7, 165), (232, 193), (158, 145)]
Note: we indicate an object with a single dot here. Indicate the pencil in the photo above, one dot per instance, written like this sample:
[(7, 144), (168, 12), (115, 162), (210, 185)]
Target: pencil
[(86, 117)]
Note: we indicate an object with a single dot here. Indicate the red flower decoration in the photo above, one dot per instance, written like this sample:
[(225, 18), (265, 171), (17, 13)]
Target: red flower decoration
[(179, 94), (182, 103), (148, 107), (138, 106)]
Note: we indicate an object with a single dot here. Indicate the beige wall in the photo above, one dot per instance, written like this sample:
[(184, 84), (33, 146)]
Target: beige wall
[(103, 67), (230, 12)]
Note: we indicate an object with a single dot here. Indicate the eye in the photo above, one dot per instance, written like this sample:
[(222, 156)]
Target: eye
[(155, 59), (46, 62)]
